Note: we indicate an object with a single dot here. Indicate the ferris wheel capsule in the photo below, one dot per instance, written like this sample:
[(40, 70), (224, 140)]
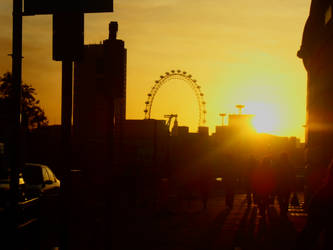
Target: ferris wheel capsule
[(178, 71), (167, 73), (161, 77), (149, 94), (157, 81), (172, 71), (201, 94), (147, 102), (145, 110), (189, 76), (194, 80), (184, 72)]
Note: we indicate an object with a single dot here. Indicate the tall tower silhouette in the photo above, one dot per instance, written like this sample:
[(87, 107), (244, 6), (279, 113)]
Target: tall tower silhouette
[(99, 98)]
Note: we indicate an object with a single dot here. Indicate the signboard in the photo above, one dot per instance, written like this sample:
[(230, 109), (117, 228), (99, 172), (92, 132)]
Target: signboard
[(43, 7), (68, 36)]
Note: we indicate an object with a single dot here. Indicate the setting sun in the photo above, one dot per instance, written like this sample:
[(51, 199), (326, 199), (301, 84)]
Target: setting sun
[(265, 118)]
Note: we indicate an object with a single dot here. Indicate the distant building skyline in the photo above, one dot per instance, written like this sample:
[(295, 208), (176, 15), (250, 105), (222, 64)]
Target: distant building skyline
[(238, 55)]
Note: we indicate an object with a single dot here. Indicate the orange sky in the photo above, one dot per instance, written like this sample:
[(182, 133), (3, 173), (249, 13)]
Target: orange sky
[(240, 51)]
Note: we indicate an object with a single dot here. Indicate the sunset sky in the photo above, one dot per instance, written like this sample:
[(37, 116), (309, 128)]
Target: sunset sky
[(239, 51)]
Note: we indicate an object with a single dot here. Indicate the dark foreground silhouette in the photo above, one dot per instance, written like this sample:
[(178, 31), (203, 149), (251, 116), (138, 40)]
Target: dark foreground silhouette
[(318, 232)]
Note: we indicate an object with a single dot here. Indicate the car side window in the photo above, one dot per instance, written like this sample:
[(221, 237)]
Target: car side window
[(51, 175), (45, 174)]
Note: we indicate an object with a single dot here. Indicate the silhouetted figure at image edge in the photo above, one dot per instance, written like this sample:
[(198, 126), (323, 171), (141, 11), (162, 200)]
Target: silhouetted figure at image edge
[(318, 231), (229, 181), (263, 184), (285, 179)]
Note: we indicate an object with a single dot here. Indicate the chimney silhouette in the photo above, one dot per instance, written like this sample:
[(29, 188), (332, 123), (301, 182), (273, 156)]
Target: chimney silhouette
[(113, 29)]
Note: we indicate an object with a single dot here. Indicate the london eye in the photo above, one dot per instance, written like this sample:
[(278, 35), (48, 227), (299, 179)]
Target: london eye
[(185, 77)]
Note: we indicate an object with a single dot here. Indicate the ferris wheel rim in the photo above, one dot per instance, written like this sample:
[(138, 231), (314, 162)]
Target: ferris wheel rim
[(179, 75)]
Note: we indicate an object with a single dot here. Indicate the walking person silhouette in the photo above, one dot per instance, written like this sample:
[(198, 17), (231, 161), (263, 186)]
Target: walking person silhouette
[(285, 178), (263, 183)]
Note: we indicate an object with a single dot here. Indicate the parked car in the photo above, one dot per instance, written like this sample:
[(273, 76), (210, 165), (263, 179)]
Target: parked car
[(38, 205), (35, 181), (40, 180)]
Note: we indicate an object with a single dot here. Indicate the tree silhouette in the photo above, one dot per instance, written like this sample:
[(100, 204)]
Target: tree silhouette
[(33, 116)]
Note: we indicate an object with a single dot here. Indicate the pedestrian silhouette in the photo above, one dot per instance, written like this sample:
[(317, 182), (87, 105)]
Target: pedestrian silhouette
[(263, 184), (285, 178)]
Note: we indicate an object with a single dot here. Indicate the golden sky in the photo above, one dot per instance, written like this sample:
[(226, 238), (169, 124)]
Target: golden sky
[(239, 51)]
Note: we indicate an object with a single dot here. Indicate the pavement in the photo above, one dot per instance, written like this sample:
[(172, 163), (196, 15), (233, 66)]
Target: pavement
[(181, 225), (185, 225)]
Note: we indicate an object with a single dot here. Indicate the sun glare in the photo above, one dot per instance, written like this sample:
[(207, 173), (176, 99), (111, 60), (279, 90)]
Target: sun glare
[(265, 118)]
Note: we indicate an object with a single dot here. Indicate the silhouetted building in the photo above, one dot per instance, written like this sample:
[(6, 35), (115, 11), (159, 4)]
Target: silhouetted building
[(204, 131), (237, 135), (142, 159), (241, 122), (182, 130), (317, 52), (221, 131), (144, 144), (100, 87), (237, 124), (99, 103)]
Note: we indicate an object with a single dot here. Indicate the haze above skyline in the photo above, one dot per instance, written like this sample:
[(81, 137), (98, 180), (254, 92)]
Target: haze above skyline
[(240, 52)]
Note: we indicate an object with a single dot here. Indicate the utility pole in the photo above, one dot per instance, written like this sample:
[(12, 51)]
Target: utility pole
[(15, 140), (66, 127), (66, 106)]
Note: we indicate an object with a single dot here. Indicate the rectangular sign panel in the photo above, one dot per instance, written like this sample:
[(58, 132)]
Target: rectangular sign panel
[(43, 7), (68, 33)]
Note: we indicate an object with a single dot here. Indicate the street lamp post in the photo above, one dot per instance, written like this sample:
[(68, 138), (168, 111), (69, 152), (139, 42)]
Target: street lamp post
[(15, 141)]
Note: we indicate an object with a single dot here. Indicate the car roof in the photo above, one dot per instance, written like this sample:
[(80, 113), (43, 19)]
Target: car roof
[(34, 165)]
